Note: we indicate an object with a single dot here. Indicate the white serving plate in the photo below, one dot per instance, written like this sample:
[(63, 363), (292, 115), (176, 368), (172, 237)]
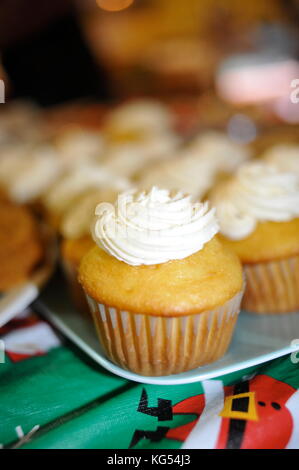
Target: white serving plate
[(257, 339)]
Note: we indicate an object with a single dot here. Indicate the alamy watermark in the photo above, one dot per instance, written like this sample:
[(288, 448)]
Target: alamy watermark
[(295, 354), (294, 96)]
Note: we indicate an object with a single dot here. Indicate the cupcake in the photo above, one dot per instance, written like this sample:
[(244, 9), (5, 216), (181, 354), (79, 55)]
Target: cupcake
[(77, 146), (224, 154), (164, 292), (139, 133), (198, 166), (20, 245), (26, 174), (21, 121), (77, 241), (134, 120), (68, 189), (258, 211), (128, 159), (284, 156), (185, 172)]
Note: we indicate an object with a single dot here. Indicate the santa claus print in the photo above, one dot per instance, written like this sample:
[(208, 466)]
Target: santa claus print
[(259, 414)]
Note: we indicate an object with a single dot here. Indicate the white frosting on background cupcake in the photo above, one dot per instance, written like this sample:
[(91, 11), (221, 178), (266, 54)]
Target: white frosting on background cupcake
[(22, 120), (259, 192), (12, 157), (185, 173), (195, 169), (223, 154), (34, 175), (77, 220), (79, 180), (284, 156), (27, 172), (127, 159), (146, 228), (144, 115), (79, 146)]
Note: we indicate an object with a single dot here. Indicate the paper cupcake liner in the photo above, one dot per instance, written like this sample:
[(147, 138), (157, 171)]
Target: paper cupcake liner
[(75, 289), (272, 287), (154, 346)]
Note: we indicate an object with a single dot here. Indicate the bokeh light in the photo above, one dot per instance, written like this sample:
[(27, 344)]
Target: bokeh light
[(114, 5)]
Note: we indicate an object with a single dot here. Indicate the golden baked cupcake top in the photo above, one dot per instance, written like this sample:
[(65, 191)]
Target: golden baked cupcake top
[(73, 250), (258, 212), (157, 254)]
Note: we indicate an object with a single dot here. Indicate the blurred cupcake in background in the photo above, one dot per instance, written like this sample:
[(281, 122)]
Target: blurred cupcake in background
[(78, 146), (195, 169), (276, 136), (20, 121), (164, 292), (73, 184), (224, 154), (26, 172), (128, 159), (77, 241), (185, 173), (137, 119), (258, 211), (284, 156), (139, 133)]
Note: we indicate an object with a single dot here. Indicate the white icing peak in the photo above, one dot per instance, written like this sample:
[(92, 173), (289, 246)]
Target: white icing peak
[(259, 192), (153, 227)]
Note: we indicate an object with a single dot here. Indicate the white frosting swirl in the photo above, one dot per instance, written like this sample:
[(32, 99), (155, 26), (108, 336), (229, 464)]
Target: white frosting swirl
[(259, 192), (153, 227)]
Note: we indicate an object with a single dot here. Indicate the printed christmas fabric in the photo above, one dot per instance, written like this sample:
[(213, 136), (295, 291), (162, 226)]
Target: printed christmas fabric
[(54, 397)]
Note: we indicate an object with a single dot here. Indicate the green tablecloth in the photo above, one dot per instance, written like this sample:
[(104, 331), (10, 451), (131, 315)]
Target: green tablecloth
[(55, 397)]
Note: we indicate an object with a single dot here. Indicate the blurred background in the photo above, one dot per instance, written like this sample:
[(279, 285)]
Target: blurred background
[(109, 50)]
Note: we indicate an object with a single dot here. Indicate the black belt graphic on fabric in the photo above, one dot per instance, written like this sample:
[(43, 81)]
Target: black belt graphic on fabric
[(237, 426)]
